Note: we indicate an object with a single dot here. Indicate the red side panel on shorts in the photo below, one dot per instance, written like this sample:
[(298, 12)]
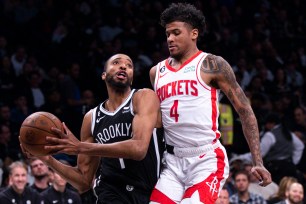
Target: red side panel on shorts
[(209, 188), (159, 197)]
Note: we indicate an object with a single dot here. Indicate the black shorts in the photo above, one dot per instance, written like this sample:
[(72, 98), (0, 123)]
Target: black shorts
[(121, 194)]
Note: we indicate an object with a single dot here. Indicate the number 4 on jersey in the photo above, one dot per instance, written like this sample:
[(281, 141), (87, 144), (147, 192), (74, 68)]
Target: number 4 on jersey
[(174, 111)]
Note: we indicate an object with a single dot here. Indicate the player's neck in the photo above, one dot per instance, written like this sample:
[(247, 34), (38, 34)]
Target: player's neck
[(177, 62), (115, 99)]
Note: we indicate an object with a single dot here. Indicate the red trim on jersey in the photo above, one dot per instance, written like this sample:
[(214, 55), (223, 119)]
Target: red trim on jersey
[(214, 109), (186, 62), (209, 188), (159, 197)]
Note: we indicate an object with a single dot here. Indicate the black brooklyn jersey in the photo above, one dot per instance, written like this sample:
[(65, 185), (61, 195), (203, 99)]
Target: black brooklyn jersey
[(110, 127)]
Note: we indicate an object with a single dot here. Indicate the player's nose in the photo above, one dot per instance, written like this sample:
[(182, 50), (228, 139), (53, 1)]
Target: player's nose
[(123, 66)]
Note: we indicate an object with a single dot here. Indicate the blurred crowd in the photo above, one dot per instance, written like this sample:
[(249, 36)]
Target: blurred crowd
[(52, 54)]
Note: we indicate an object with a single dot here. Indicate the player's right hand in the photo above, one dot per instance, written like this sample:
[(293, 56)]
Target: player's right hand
[(67, 143)]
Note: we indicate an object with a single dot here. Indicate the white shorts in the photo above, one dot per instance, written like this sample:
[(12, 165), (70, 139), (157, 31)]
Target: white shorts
[(195, 178)]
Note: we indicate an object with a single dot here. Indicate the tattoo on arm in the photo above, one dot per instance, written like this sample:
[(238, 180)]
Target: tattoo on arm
[(224, 77), (223, 72)]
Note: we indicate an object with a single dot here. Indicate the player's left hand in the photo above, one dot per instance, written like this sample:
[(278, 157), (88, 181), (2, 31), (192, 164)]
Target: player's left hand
[(262, 174), (67, 143)]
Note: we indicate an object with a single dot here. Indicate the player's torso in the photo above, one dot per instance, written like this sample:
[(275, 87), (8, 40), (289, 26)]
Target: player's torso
[(189, 106), (111, 127)]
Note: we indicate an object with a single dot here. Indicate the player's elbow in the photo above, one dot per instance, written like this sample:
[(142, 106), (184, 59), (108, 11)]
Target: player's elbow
[(84, 187)]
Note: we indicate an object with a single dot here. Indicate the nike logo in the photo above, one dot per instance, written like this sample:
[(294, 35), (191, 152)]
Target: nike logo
[(161, 76), (201, 156), (98, 119)]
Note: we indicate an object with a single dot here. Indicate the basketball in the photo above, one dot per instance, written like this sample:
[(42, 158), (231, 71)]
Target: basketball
[(34, 130)]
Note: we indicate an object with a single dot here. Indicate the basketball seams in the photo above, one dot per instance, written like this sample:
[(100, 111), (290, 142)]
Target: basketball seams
[(50, 118), (35, 127), (40, 144), (34, 130)]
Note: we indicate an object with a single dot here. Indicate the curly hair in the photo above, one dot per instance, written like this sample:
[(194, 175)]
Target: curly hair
[(183, 12)]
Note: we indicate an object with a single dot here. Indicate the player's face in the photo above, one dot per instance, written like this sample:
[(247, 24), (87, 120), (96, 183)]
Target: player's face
[(39, 169), (18, 179), (119, 72), (180, 38), (295, 194)]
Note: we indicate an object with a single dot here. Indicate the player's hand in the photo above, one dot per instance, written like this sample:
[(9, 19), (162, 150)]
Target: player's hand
[(262, 174), (67, 143)]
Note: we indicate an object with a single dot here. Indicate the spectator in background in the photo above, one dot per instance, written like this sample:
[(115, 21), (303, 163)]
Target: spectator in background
[(299, 123), (281, 149), (294, 194), (294, 77), (223, 197), (243, 195), (54, 104), (40, 172), (280, 84), (5, 138), (284, 184), (58, 191), (241, 67), (18, 59), (20, 110), (22, 79), (6, 118), (7, 79), (18, 191), (89, 99), (35, 92), (299, 129)]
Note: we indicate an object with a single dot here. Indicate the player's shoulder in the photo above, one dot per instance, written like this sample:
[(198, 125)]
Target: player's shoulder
[(144, 92), (214, 63), (216, 58)]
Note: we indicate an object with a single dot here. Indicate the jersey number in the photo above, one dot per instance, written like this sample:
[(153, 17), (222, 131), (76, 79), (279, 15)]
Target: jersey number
[(173, 111)]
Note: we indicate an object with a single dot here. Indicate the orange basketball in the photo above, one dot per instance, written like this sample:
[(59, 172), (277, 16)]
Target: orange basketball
[(34, 130)]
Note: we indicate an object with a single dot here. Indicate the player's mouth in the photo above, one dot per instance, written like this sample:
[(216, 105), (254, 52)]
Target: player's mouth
[(121, 75), (171, 47)]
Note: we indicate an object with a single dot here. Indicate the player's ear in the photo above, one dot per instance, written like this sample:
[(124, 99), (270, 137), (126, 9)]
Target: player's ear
[(194, 33), (103, 76)]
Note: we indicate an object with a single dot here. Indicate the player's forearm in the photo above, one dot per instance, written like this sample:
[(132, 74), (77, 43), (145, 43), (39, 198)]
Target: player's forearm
[(251, 133), (129, 149), (71, 174)]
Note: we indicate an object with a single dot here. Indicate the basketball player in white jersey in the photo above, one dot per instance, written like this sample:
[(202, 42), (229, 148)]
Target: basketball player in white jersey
[(188, 85)]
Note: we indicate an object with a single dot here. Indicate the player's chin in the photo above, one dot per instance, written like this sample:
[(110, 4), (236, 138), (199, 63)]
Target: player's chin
[(174, 54)]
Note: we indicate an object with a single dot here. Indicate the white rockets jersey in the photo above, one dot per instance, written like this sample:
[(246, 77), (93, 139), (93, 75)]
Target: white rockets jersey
[(189, 106)]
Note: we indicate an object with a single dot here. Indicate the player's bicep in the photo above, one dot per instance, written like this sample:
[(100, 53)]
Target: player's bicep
[(223, 77), (146, 114), (152, 75)]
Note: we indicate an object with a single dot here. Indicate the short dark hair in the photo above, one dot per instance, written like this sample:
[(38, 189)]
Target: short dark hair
[(183, 12), (242, 172)]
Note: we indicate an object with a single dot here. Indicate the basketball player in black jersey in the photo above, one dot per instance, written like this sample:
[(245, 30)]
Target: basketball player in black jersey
[(119, 142)]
